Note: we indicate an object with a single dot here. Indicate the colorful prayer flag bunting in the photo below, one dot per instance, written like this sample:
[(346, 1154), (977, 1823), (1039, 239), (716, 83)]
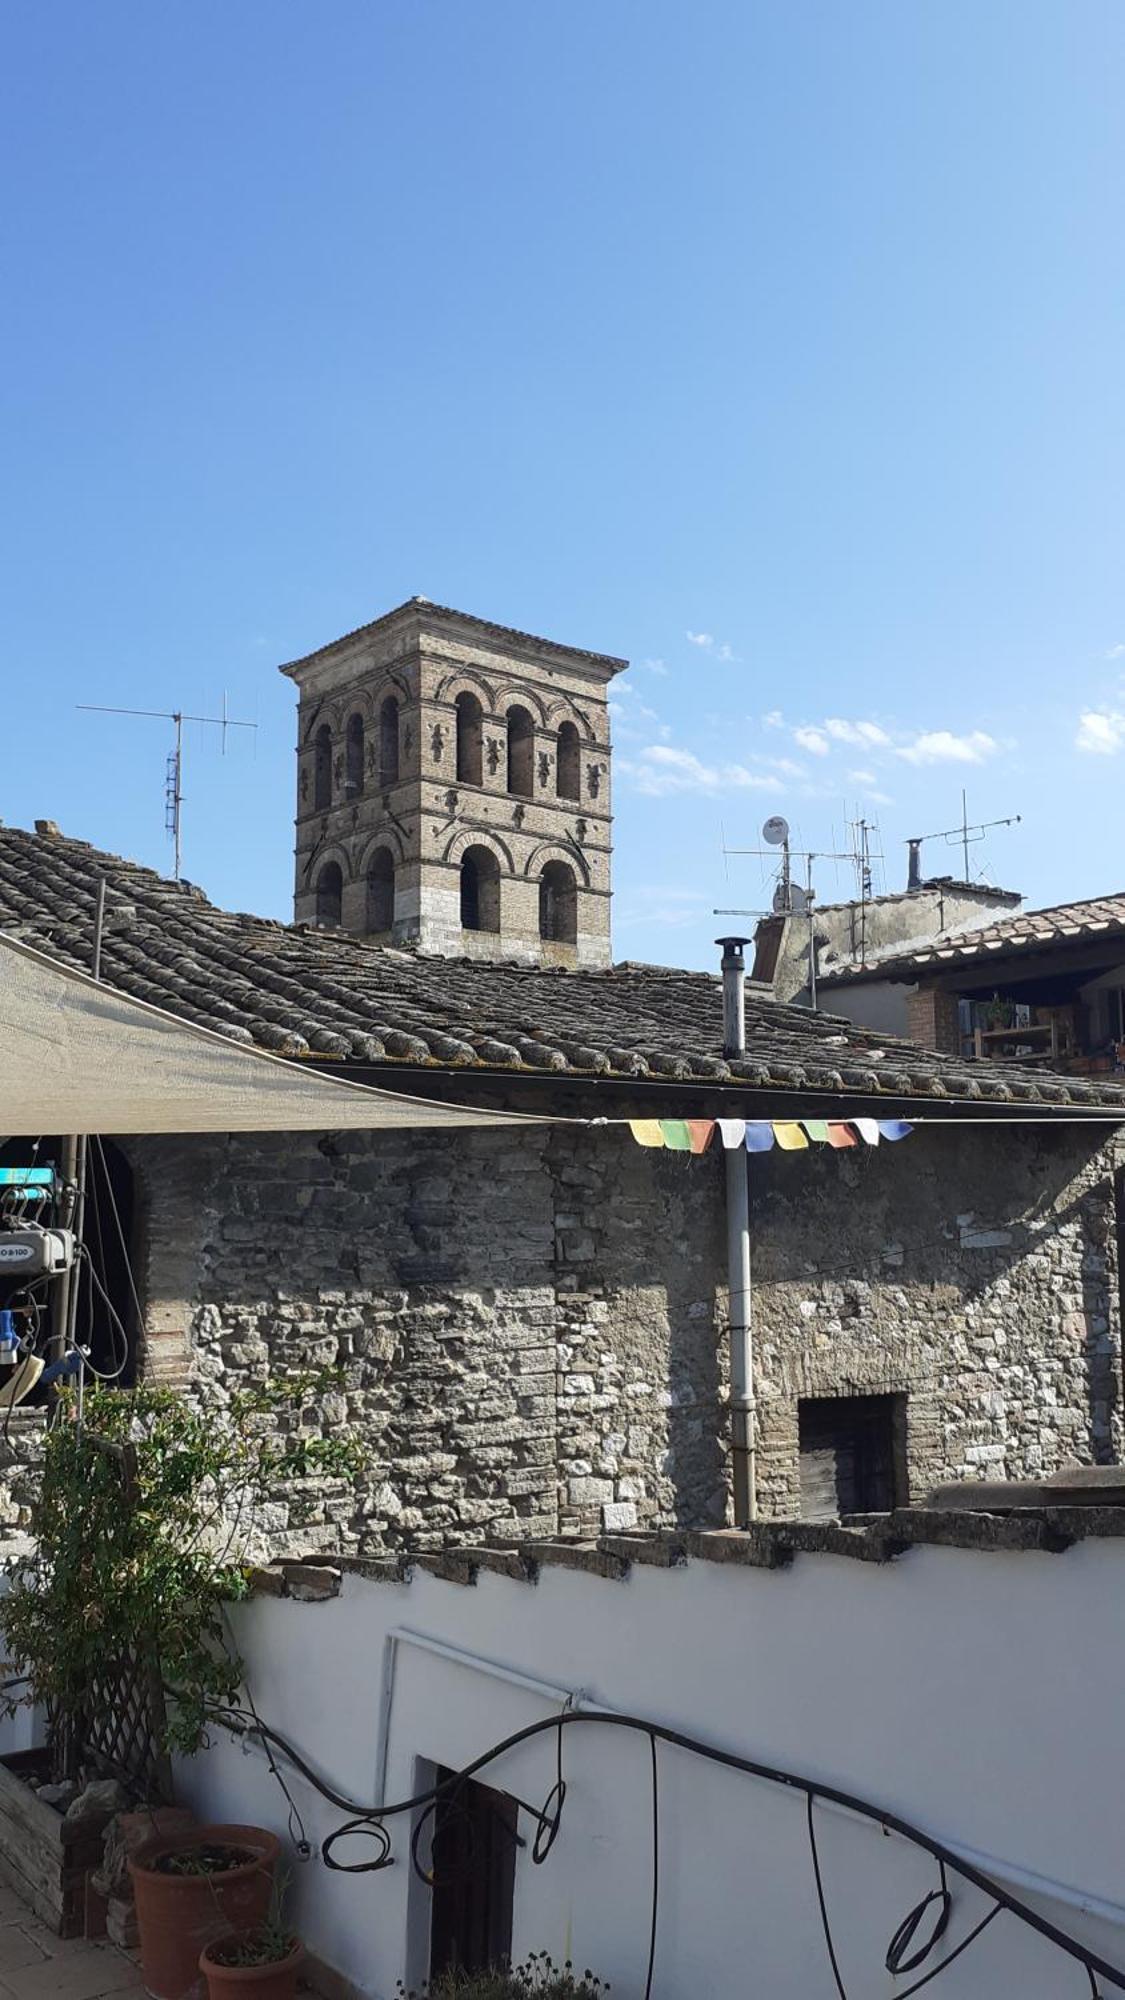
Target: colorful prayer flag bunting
[(646, 1131), (694, 1135), (677, 1138), (789, 1137)]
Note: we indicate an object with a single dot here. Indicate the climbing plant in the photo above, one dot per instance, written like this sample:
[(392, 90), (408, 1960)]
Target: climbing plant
[(143, 1531)]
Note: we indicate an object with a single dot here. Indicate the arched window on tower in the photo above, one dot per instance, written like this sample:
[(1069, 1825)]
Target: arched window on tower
[(381, 892), (521, 753), (388, 742), (480, 890), (558, 904), (568, 765), (354, 761), (329, 896), (470, 720), (322, 769)]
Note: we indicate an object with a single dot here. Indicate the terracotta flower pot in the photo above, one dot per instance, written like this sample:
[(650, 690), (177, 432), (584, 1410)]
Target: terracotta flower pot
[(177, 1915), (274, 1981)]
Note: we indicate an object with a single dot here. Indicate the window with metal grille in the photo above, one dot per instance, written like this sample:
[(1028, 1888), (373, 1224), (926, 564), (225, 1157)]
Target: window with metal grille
[(474, 1874)]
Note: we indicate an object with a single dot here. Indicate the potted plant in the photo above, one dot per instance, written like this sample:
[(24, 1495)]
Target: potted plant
[(261, 1961), (144, 1531), (192, 1889)]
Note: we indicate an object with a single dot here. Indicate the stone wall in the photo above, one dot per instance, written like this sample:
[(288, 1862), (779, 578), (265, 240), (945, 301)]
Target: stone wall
[(530, 1327)]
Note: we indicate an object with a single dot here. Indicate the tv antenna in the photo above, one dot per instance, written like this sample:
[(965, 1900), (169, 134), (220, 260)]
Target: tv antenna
[(966, 835), (790, 898), (174, 769)]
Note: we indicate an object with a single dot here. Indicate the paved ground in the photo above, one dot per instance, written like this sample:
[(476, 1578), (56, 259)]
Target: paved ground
[(36, 1966)]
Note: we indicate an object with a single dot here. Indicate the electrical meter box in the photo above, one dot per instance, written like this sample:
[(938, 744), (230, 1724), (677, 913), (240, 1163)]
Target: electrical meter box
[(33, 1252)]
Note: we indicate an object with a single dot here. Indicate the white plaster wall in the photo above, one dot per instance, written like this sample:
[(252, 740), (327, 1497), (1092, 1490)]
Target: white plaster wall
[(975, 1694)]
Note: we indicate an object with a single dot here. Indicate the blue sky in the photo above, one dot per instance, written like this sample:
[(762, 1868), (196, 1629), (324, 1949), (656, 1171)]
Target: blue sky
[(776, 347)]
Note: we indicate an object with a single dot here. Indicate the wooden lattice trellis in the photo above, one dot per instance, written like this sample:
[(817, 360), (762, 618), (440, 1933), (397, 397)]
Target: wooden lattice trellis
[(119, 1732)]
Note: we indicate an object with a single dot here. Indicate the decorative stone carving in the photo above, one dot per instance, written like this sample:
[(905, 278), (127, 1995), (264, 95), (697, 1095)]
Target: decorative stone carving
[(437, 741), (594, 780), (304, 786), (544, 770), (493, 755), (519, 814)]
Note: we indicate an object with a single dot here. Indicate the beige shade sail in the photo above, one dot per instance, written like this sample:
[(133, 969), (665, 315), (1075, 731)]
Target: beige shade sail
[(77, 1056)]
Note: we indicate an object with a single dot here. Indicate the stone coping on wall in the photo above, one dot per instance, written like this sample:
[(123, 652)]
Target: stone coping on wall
[(872, 1538)]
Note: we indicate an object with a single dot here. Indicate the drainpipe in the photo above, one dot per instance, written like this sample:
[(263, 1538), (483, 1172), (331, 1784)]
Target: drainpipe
[(738, 1255)]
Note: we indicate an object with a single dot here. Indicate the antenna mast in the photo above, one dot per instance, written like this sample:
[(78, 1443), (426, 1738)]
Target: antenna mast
[(964, 836), (174, 769)]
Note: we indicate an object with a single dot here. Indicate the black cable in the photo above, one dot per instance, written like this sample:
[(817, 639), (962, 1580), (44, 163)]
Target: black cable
[(364, 1818), (810, 1800), (896, 1962), (655, 1869), (955, 1953)]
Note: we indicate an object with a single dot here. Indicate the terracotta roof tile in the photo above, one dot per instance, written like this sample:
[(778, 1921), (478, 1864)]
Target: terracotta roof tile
[(303, 992)]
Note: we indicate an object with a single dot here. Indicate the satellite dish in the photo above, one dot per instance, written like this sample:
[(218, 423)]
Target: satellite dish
[(789, 898), (776, 831)]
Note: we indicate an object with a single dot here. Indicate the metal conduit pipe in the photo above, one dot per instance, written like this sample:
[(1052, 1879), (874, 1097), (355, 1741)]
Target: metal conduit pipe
[(742, 1405)]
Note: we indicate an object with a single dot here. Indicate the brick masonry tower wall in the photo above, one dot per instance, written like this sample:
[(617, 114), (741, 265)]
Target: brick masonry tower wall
[(424, 819), (530, 1328)]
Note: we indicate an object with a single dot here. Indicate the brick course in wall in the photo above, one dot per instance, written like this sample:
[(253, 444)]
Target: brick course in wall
[(530, 1329)]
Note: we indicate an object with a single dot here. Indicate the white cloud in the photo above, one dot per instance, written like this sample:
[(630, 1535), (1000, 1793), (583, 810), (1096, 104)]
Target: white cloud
[(1101, 731), (941, 746), (774, 720), (812, 740), (661, 769), (862, 778), (707, 643), (866, 733), (654, 667), (1115, 652)]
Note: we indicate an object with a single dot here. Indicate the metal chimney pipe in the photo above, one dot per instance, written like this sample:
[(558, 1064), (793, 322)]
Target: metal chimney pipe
[(914, 864), (743, 1442)]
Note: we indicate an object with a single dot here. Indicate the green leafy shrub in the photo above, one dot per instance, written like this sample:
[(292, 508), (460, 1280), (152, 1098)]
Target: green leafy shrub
[(142, 1528)]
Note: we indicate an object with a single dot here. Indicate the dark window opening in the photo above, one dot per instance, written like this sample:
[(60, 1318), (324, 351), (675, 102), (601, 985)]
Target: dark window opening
[(470, 728), (480, 890), (322, 769), (106, 1321), (521, 753), (381, 891), (388, 742), (329, 896), (558, 904), (354, 760), (568, 769), (474, 1873), (852, 1455)]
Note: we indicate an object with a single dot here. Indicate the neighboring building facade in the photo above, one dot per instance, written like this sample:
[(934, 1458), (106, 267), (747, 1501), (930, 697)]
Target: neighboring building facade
[(454, 789), (1043, 988), (531, 1325), (863, 933)]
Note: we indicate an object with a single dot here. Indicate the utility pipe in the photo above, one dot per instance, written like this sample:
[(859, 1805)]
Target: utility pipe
[(743, 1438)]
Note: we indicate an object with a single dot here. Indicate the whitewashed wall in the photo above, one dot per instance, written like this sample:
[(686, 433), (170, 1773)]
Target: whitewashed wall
[(976, 1694)]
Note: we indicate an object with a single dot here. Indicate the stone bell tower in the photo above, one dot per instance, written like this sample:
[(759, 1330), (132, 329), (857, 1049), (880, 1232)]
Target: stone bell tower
[(453, 789)]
